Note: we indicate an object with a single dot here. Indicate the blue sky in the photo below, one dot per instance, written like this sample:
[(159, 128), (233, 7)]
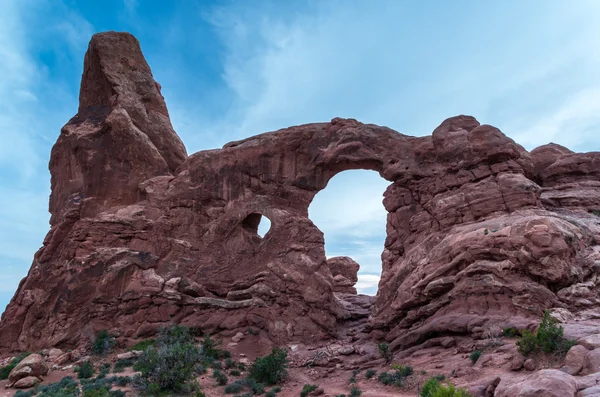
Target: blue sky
[(231, 69)]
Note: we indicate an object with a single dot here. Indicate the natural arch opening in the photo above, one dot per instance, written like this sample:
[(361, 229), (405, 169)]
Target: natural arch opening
[(350, 213), (257, 224)]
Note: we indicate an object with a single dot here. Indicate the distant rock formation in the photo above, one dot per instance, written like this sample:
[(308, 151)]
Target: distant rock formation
[(479, 231)]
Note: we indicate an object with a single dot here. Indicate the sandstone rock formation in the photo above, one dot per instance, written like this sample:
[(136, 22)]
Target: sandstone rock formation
[(480, 232), (345, 273), (27, 371)]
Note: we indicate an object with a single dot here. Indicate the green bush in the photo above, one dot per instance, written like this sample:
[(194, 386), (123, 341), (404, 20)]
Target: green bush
[(433, 388), (355, 392), (217, 365), (5, 371), (103, 343), (474, 356), (123, 381), (67, 387), (431, 385), (102, 392), (234, 387), (402, 370), (354, 375), (397, 377), (143, 345), (370, 373), (549, 338), (384, 350), (235, 372), (170, 364), (210, 349), (527, 344), (511, 332), (23, 393), (308, 389), (120, 365), (229, 363), (86, 370), (220, 377), (270, 369)]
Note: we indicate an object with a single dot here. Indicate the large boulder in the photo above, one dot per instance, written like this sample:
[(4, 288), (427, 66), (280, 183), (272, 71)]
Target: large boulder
[(592, 361), (345, 273), (26, 383), (31, 366), (575, 360), (544, 383)]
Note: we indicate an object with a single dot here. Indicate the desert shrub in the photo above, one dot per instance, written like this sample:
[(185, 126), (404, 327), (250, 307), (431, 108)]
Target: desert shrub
[(67, 387), (102, 392), (429, 387), (450, 391), (527, 344), (229, 363), (220, 377), (271, 393), (143, 345), (433, 388), (235, 372), (549, 338), (104, 370), (120, 365), (511, 332), (5, 371), (474, 356), (384, 350), (254, 386), (85, 371), (241, 366), (170, 364), (234, 387), (270, 369), (174, 335), (210, 348), (403, 370), (550, 335), (200, 370), (397, 377), (23, 393), (217, 365), (370, 373), (122, 381), (355, 392), (103, 343), (354, 375), (308, 389)]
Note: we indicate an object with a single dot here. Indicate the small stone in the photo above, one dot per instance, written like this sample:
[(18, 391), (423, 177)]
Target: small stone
[(529, 365), (517, 362), (237, 337)]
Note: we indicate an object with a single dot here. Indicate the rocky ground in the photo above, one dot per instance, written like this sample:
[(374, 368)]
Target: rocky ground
[(500, 371)]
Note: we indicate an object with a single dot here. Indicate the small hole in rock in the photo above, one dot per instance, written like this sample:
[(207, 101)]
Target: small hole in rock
[(257, 223)]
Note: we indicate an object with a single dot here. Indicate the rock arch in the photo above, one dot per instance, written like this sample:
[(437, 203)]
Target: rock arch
[(471, 239)]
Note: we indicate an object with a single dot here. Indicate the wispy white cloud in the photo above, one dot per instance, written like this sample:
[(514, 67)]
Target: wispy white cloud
[(367, 284)]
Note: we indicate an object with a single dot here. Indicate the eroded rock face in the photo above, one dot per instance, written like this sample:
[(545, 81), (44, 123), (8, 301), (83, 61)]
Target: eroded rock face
[(480, 232), (345, 273)]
